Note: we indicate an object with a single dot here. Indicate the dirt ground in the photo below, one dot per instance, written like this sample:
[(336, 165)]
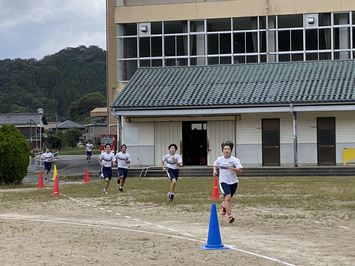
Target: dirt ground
[(97, 231)]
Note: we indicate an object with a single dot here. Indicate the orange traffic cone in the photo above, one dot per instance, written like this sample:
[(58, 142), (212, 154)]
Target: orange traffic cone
[(86, 176), (215, 192), (40, 183), (56, 187)]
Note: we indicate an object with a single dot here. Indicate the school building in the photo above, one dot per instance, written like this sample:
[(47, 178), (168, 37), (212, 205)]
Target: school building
[(276, 77)]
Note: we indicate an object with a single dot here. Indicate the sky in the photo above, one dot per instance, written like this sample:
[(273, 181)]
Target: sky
[(36, 28)]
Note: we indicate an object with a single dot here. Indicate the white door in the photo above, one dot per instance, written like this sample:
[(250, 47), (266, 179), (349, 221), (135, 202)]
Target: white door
[(166, 133), (218, 132)]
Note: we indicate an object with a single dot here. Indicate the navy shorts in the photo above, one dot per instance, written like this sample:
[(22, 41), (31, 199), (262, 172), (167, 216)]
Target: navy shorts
[(89, 153), (228, 188), (122, 172), (107, 172), (47, 166), (173, 173)]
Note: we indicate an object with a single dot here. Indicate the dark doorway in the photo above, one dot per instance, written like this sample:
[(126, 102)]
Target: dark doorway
[(194, 143), (271, 142), (326, 140)]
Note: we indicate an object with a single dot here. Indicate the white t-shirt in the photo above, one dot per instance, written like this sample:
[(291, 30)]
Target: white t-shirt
[(47, 157), (89, 146), (226, 175), (120, 158), (170, 162), (106, 159)]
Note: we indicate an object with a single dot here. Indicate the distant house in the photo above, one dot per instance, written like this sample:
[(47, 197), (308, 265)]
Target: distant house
[(68, 124), (31, 126), (98, 125)]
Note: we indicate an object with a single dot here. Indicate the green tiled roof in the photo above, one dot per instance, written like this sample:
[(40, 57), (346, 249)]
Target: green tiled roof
[(239, 85)]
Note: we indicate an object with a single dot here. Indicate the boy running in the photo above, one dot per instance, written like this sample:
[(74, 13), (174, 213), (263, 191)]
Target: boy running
[(88, 147), (123, 159), (106, 162), (170, 163), (227, 166), (47, 159)]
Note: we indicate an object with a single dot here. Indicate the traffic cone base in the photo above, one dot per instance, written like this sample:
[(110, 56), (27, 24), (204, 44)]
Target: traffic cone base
[(40, 183), (56, 187), (214, 235), (86, 176)]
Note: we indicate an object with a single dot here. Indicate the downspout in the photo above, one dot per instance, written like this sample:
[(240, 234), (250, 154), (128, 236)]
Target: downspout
[(294, 133), (267, 30)]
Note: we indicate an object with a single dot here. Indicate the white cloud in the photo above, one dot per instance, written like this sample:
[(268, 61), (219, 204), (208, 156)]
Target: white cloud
[(35, 28)]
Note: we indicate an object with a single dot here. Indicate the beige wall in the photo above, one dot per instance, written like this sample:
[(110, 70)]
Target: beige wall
[(236, 8)]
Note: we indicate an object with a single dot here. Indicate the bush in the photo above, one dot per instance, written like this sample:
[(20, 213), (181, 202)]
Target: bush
[(54, 141), (14, 155), (71, 137)]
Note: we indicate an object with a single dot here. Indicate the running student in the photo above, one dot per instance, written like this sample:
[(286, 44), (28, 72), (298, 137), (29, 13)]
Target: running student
[(123, 159), (106, 160), (47, 158), (227, 167), (170, 163), (88, 147)]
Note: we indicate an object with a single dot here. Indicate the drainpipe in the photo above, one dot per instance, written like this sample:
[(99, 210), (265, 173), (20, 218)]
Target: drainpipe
[(294, 133), (267, 30)]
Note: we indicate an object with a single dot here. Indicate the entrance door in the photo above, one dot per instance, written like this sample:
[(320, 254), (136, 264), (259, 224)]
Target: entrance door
[(326, 140), (271, 142), (194, 142)]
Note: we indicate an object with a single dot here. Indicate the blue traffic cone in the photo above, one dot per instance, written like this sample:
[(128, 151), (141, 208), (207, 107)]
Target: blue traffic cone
[(214, 236)]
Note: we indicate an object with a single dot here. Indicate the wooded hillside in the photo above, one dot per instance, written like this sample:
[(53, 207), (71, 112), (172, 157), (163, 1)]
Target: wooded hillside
[(67, 84)]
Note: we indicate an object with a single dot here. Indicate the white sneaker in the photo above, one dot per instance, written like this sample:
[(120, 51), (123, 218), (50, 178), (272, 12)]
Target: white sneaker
[(105, 191)]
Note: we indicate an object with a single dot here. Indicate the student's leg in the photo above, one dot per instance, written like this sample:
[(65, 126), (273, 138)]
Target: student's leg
[(123, 180), (173, 185), (228, 204)]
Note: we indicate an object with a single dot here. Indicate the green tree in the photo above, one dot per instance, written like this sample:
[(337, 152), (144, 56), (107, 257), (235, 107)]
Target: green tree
[(14, 155), (54, 141), (71, 137)]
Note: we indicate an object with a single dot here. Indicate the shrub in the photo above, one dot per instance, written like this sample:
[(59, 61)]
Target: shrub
[(14, 155), (54, 141), (71, 137)]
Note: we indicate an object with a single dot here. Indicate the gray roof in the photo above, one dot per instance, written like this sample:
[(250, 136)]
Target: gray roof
[(70, 124), (19, 119), (266, 84)]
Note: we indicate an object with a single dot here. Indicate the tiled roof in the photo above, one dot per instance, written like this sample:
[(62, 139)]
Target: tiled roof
[(22, 119), (70, 124), (311, 82)]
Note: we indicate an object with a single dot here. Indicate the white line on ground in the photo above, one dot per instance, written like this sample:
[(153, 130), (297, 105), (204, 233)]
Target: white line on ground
[(23, 218), (191, 237)]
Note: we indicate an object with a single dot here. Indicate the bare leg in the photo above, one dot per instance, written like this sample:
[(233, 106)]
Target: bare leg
[(123, 181), (172, 185), (228, 204)]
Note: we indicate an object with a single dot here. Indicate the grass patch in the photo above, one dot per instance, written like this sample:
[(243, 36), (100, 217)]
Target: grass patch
[(193, 194)]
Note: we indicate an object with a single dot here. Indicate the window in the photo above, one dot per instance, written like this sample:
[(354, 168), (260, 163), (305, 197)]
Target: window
[(290, 21), (197, 26), (171, 27), (223, 24), (247, 23)]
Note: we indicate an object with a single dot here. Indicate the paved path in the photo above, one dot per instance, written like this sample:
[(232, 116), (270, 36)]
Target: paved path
[(66, 165)]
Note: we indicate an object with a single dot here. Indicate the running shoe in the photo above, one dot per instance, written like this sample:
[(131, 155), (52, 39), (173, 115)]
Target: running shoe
[(171, 196), (168, 196), (105, 192), (120, 189), (230, 219)]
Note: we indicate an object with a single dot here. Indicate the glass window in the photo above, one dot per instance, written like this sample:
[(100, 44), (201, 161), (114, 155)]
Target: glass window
[(169, 45), (225, 43), (175, 26), (144, 47), (219, 24), (128, 46), (284, 40), (341, 18), (354, 37), (225, 60), (262, 42), (239, 59), (296, 40), (181, 42), (312, 39), (297, 57), (251, 42), (290, 21), (197, 26), (272, 22), (181, 61), (197, 44), (252, 58), (157, 62), (284, 57), (144, 63), (130, 29), (325, 56), (341, 38), (198, 61), (324, 19), (156, 46), (170, 62), (353, 15), (324, 39), (311, 56), (262, 22), (126, 69), (246, 23), (239, 43), (212, 60), (342, 55), (155, 28), (212, 43)]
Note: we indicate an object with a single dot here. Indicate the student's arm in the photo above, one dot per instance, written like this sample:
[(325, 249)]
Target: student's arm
[(163, 164)]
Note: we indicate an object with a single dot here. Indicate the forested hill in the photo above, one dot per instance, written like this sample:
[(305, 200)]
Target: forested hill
[(66, 84)]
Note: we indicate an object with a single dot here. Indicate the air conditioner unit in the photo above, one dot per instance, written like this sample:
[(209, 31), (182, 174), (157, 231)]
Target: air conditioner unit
[(310, 20)]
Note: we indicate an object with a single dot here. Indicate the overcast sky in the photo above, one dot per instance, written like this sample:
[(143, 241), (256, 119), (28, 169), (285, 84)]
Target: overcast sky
[(35, 28)]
